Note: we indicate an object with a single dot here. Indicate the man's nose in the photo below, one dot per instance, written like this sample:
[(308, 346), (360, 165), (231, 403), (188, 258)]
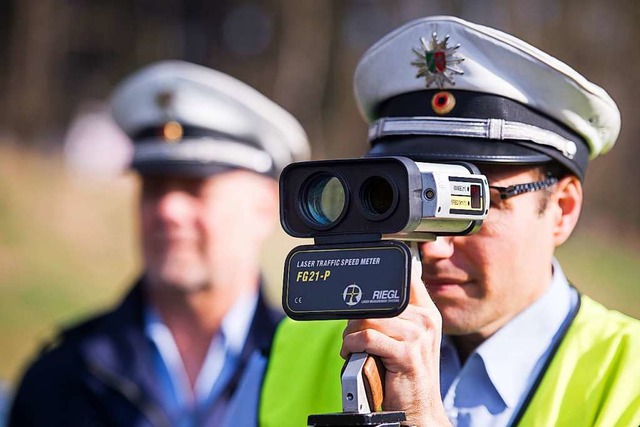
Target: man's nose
[(174, 206), (440, 248)]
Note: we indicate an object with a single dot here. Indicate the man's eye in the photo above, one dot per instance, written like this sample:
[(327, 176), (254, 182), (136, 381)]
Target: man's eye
[(494, 199), (152, 188)]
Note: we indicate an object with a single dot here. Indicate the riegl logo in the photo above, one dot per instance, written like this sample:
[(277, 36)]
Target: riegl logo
[(352, 294), (386, 294)]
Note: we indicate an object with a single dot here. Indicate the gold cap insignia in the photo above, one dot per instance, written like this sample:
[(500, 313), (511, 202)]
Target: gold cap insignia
[(172, 132)]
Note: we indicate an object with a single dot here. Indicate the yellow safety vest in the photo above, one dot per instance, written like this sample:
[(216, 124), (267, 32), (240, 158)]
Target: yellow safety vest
[(593, 380)]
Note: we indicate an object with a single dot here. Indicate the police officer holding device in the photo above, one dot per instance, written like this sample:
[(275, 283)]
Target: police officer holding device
[(494, 333), (349, 206), (178, 350)]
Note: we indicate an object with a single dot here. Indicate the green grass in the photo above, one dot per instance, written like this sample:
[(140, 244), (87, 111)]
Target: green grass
[(68, 248)]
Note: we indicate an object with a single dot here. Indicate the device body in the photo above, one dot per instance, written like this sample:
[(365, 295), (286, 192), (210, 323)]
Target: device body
[(359, 212)]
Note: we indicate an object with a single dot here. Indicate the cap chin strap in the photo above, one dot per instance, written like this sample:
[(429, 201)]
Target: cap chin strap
[(205, 150), (496, 129)]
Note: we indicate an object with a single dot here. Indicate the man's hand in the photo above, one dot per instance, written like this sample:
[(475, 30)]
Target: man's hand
[(409, 347)]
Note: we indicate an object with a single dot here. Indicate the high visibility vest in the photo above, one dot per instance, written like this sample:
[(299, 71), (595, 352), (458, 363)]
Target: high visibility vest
[(593, 379)]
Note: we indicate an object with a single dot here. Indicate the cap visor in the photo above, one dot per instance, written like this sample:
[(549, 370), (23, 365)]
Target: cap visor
[(423, 148)]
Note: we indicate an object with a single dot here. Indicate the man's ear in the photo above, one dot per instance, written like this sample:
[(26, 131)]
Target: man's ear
[(567, 204)]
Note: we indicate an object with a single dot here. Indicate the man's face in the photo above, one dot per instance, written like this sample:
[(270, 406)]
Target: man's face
[(480, 282), (199, 233)]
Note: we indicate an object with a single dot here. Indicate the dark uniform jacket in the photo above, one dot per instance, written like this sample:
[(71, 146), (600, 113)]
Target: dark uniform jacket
[(100, 373)]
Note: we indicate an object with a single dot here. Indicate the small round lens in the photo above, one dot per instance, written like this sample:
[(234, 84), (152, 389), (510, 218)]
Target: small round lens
[(323, 200), (378, 197)]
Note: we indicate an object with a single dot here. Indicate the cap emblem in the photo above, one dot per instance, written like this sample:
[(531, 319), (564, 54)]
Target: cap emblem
[(172, 132), (437, 62), (443, 102), (164, 99)]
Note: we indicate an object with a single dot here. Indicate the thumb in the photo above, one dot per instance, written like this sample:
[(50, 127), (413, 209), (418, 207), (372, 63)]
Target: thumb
[(418, 293)]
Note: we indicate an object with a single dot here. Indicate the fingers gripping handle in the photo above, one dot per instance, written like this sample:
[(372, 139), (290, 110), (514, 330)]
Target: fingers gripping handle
[(363, 374)]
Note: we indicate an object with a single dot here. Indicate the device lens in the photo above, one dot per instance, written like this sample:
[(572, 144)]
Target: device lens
[(378, 196), (324, 199)]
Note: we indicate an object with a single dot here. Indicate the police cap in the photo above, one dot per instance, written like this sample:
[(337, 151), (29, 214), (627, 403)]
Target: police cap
[(443, 89), (188, 120)]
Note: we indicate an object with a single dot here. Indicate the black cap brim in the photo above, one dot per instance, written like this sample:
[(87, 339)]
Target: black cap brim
[(426, 148), (180, 168)]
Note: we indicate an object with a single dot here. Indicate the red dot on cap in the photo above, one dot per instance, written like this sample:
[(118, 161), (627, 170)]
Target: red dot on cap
[(443, 102)]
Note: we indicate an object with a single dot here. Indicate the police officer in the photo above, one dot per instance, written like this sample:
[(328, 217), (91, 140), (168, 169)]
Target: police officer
[(179, 348), (496, 335)]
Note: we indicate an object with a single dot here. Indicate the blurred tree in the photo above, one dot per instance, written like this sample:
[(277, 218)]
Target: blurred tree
[(34, 50)]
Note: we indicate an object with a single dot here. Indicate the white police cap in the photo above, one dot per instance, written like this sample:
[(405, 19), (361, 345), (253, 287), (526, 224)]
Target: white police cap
[(186, 119), (441, 88)]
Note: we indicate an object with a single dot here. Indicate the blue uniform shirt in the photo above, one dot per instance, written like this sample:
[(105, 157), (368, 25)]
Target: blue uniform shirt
[(491, 385), (184, 405)]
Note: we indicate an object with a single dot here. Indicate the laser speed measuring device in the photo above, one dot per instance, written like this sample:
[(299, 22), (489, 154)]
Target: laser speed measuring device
[(359, 212)]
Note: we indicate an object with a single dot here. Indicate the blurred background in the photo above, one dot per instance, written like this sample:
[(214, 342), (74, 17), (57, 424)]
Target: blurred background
[(68, 242)]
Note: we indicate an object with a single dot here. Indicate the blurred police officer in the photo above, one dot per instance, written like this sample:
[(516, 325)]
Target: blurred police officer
[(178, 350), (520, 345)]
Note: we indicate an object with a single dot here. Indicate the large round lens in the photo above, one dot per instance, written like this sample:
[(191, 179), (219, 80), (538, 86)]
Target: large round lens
[(323, 199), (378, 197)]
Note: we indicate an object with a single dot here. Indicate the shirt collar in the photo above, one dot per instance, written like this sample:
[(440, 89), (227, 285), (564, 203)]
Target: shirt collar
[(511, 354), (234, 327), (225, 346), (236, 324)]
